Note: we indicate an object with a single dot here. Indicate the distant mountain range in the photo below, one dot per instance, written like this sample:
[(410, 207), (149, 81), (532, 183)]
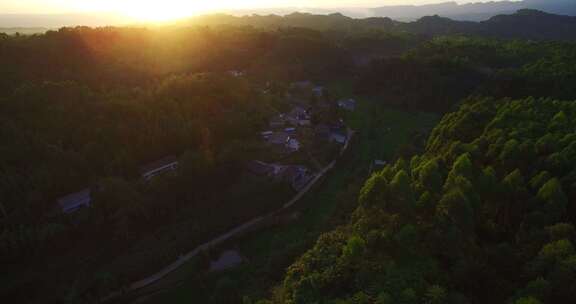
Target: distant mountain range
[(58, 20), (524, 24), (475, 11), (482, 11)]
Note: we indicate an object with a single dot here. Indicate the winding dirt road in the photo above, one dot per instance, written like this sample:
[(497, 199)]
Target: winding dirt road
[(228, 235)]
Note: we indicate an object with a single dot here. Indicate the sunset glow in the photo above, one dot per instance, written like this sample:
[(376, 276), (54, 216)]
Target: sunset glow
[(156, 10), (162, 11)]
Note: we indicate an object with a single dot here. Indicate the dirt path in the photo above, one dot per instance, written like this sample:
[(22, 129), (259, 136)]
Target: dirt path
[(228, 235)]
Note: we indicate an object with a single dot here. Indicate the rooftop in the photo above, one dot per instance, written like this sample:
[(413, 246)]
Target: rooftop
[(72, 200), (279, 138)]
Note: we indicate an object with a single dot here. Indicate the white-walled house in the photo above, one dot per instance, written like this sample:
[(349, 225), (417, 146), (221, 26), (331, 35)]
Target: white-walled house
[(338, 137), (293, 145), (318, 91), (75, 201), (347, 104)]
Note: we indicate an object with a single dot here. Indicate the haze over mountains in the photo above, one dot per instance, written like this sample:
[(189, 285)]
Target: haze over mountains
[(523, 24), (464, 12), (475, 11)]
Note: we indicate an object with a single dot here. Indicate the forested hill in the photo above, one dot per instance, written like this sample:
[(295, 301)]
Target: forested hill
[(526, 23), (486, 207), (439, 73)]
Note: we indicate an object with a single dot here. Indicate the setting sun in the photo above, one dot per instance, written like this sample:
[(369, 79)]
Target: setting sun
[(166, 10), (163, 11)]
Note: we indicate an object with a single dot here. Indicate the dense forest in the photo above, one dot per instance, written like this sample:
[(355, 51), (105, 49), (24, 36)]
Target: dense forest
[(87, 108), (439, 73), (485, 206)]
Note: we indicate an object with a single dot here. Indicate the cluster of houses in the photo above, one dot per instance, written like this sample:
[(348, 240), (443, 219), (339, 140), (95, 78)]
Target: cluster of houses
[(282, 136), (283, 128), (83, 199)]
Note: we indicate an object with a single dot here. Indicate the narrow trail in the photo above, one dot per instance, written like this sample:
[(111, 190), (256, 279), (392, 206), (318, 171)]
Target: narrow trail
[(228, 235)]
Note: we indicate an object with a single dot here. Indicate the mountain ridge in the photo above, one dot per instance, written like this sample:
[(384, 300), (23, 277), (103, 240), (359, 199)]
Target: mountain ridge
[(479, 11)]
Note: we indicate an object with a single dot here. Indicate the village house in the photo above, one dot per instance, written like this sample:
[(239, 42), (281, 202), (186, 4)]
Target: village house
[(347, 104), (299, 117), (378, 164), (75, 201), (297, 176), (284, 141), (293, 145), (266, 134), (318, 91), (279, 138), (338, 136), (334, 133), (162, 166)]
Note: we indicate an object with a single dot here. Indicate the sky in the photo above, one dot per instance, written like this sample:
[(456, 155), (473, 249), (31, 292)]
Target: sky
[(171, 9)]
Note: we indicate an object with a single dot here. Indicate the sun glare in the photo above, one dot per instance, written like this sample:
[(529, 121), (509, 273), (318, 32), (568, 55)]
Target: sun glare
[(167, 10), (159, 11)]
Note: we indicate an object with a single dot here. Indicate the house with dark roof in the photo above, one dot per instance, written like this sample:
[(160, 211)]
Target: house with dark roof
[(297, 176), (284, 142), (347, 104), (338, 136), (377, 165), (279, 138), (159, 167), (331, 133), (266, 134), (75, 201), (318, 91), (293, 145), (299, 116)]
